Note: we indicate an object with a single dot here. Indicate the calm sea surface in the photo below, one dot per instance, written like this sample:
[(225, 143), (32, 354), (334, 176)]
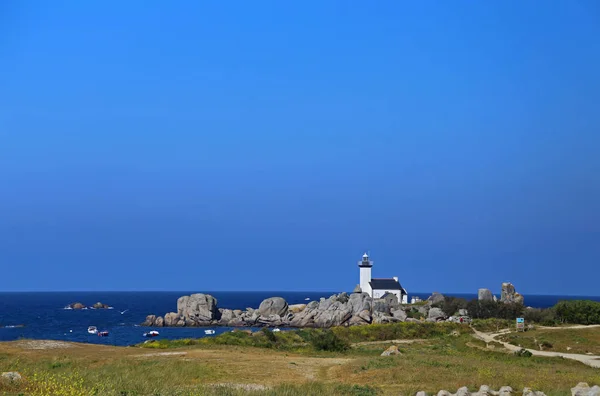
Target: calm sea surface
[(42, 315)]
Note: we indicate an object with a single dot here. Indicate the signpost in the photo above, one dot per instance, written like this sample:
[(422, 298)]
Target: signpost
[(520, 324)]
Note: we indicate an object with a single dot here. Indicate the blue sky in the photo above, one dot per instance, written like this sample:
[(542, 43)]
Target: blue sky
[(150, 145)]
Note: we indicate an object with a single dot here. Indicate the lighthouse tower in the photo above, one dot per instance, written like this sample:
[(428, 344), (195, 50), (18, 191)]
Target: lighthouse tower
[(365, 274)]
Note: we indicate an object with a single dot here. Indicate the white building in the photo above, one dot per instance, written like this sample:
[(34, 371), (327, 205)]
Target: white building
[(377, 287)]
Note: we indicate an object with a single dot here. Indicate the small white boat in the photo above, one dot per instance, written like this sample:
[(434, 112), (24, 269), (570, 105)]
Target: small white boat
[(209, 332), (93, 330), (152, 333), (276, 330), (306, 299)]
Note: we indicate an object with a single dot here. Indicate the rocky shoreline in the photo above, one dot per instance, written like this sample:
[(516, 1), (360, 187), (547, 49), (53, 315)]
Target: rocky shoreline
[(342, 309)]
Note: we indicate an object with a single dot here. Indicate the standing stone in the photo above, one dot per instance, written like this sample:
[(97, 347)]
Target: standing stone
[(509, 295), (485, 295), (357, 289), (171, 319)]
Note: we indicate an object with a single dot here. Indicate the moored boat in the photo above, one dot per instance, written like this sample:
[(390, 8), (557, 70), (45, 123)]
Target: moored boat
[(103, 333), (209, 332), (152, 333), (92, 330)]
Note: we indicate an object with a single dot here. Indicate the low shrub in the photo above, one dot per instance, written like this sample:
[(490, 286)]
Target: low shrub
[(523, 353), (327, 340)]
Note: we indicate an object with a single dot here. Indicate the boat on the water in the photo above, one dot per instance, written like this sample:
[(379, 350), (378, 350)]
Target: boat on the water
[(276, 330), (93, 330), (152, 333), (307, 298), (103, 333), (209, 332)]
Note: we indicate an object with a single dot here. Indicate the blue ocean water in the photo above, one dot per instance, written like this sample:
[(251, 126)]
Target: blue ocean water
[(42, 315)]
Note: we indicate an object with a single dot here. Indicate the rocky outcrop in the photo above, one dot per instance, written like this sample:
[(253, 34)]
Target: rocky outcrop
[(99, 305), (485, 295), (273, 306), (76, 305), (509, 294), (436, 298), (485, 390), (198, 309), (11, 377), (435, 315)]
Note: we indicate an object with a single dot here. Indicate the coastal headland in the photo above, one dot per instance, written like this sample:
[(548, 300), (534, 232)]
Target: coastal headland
[(341, 309)]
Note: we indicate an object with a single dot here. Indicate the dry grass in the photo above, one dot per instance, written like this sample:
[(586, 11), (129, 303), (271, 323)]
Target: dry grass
[(439, 363), (582, 341)]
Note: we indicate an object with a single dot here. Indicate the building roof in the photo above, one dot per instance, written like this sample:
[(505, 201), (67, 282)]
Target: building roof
[(386, 284)]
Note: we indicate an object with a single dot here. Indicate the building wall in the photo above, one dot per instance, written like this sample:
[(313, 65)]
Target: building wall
[(365, 278), (379, 293)]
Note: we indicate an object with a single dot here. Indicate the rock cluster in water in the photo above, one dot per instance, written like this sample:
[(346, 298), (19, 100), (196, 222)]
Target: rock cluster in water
[(509, 295), (78, 305)]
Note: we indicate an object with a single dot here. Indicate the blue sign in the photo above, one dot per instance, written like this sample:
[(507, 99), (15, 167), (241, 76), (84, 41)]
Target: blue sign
[(520, 320)]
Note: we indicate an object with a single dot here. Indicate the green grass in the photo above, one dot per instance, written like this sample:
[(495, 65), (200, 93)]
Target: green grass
[(567, 340)]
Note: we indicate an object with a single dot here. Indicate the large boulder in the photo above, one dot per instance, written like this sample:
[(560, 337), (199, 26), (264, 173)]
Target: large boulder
[(381, 305), (304, 319), (436, 298), (76, 305), (485, 295), (392, 350), (436, 314), (509, 294), (171, 319), (270, 320), (149, 320), (359, 302), (197, 309), (295, 308), (391, 299), (11, 377), (227, 315), (159, 322), (273, 306), (357, 289), (99, 305), (399, 314), (336, 314)]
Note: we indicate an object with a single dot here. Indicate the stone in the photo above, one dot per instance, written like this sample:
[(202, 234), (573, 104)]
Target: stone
[(464, 391), (381, 305), (581, 389), (76, 305), (391, 299), (273, 306), (594, 391), (226, 316), (336, 314), (485, 390), (99, 305), (509, 294), (198, 309), (357, 289), (297, 308), (400, 314), (530, 392), (463, 312), (270, 320), (149, 320), (159, 322), (485, 295), (305, 318), (444, 393), (11, 376), (421, 393), (505, 391), (436, 314), (171, 319), (359, 302), (436, 298), (312, 305), (393, 350)]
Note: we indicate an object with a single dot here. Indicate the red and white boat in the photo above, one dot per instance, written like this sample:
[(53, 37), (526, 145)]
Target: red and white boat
[(103, 333)]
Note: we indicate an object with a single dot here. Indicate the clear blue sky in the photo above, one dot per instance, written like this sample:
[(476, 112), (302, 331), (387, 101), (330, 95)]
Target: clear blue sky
[(151, 145)]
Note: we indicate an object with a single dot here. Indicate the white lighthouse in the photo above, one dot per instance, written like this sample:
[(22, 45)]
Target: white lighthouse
[(365, 266), (378, 287)]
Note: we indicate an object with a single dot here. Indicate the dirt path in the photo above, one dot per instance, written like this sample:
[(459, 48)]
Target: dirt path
[(590, 360), (387, 342)]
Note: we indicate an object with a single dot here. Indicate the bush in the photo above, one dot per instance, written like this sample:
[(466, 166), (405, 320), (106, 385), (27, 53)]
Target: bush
[(494, 309), (523, 353), (451, 305), (326, 340), (269, 334), (584, 312), (545, 317)]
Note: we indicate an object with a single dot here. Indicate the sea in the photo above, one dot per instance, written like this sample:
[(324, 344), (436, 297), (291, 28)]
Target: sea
[(42, 315)]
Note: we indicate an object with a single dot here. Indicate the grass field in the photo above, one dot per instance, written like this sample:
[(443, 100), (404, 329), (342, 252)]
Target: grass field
[(558, 340), (209, 368)]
